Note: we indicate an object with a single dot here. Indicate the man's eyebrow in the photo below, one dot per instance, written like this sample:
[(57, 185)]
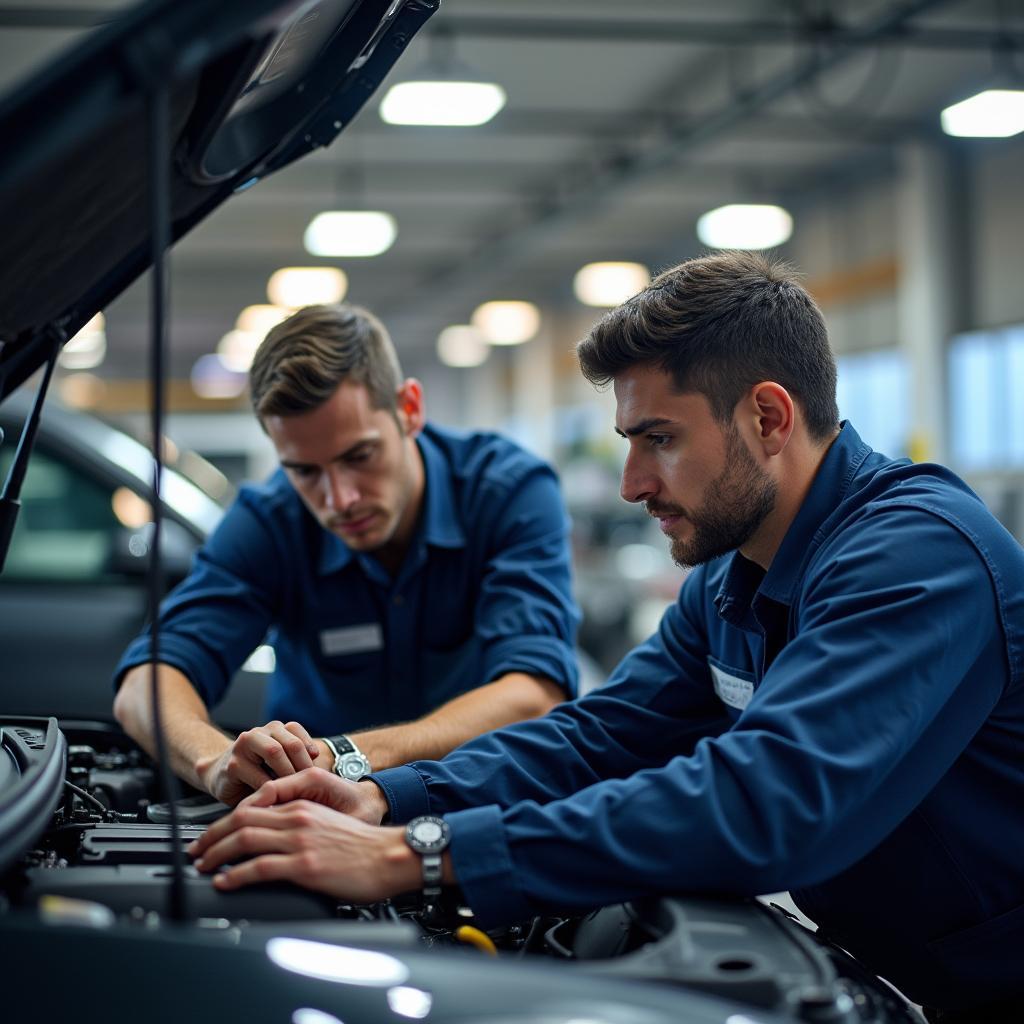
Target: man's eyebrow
[(643, 426), (363, 441)]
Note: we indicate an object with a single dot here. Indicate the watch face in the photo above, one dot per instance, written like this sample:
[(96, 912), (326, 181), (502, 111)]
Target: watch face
[(428, 834), (353, 766)]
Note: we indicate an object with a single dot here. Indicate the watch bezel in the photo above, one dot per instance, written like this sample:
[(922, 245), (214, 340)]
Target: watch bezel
[(439, 845)]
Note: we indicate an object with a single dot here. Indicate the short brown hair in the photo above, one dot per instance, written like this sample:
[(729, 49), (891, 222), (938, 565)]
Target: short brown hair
[(720, 324), (302, 360)]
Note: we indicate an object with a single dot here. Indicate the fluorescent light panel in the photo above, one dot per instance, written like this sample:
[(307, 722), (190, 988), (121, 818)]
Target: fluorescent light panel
[(306, 286), (992, 114), (357, 233), (455, 104), (462, 345), (87, 348), (237, 348), (261, 318), (609, 284), (745, 226), (506, 322)]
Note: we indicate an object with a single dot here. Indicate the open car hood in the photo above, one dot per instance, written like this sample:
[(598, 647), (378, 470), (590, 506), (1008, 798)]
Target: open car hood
[(251, 85)]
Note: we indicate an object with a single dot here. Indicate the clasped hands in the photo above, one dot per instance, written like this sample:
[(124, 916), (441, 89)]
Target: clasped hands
[(258, 755), (315, 829)]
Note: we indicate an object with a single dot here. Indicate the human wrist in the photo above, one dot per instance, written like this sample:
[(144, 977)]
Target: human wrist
[(377, 803), (402, 865), (205, 767), (325, 756)]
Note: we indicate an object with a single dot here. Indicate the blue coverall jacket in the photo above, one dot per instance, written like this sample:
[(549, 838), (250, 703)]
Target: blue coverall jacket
[(484, 589), (848, 725)]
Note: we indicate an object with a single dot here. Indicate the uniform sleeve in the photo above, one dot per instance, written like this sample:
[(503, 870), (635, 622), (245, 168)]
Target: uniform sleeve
[(213, 620), (896, 664), (657, 703), (526, 617)]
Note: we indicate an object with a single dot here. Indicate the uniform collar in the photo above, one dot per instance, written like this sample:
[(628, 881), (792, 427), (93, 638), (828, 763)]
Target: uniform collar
[(828, 489), (439, 523)]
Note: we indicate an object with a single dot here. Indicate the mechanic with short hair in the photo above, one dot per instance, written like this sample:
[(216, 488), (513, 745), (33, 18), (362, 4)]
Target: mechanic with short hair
[(834, 705), (407, 574)]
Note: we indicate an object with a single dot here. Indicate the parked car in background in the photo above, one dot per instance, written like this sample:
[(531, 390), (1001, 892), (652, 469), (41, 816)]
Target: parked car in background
[(73, 590)]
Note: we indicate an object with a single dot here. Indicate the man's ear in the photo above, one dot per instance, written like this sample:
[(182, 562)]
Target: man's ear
[(409, 406), (773, 416)]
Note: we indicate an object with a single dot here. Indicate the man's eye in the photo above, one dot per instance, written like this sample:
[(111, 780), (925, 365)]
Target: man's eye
[(303, 472), (658, 440), (363, 455)]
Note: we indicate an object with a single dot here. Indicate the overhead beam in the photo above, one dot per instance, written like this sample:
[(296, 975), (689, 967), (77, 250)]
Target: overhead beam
[(597, 125), (826, 30), (823, 31)]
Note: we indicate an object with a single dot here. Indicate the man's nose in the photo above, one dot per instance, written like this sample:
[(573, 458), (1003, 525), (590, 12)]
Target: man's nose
[(340, 492), (637, 483)]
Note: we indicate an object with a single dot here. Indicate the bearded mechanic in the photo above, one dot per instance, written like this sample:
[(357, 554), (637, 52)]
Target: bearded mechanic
[(415, 581), (834, 705)]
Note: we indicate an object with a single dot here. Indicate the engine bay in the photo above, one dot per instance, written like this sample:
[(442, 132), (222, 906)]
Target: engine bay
[(88, 852)]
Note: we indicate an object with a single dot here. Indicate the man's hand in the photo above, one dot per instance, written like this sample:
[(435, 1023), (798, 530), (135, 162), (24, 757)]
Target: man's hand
[(310, 844), (363, 800), (256, 757)]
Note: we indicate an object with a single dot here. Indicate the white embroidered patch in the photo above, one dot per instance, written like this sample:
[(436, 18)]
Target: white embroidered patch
[(352, 639), (731, 689)]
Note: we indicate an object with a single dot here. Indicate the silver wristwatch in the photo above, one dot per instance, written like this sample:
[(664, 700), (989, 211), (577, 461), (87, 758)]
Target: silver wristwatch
[(429, 836), (349, 761)]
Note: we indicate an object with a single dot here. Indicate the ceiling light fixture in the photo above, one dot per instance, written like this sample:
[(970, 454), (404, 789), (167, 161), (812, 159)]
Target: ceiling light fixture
[(462, 345), (237, 348), (87, 348), (350, 233), (261, 318), (992, 114), (745, 226), (445, 91), (506, 322), (460, 104), (609, 284), (306, 286)]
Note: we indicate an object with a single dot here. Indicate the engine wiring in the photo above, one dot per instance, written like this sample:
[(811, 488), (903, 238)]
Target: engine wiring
[(85, 795), (99, 806)]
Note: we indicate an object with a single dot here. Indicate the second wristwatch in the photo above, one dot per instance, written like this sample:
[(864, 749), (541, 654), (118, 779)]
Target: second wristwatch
[(349, 761)]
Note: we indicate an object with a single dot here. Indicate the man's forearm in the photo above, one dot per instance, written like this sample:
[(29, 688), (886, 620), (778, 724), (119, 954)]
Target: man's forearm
[(191, 737), (512, 698)]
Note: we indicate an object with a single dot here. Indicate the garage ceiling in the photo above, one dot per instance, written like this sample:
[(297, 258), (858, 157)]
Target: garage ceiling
[(624, 122)]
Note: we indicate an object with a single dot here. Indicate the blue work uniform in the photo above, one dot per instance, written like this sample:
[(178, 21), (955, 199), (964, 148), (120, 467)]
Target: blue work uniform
[(484, 589), (848, 724)]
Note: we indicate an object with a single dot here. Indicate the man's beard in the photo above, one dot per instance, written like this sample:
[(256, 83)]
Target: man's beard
[(735, 504)]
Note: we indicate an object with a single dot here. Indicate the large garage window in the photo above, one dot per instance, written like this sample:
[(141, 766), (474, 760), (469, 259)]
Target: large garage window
[(986, 369), (873, 392)]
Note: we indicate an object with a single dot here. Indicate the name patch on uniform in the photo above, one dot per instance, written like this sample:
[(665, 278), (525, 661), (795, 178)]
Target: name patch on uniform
[(731, 689), (352, 639)]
